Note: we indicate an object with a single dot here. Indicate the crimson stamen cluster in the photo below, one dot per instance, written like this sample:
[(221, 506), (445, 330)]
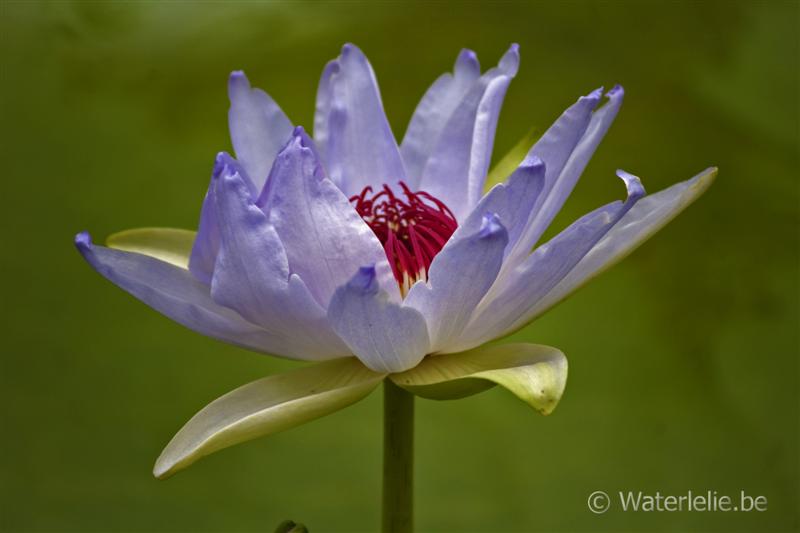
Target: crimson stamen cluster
[(412, 229)]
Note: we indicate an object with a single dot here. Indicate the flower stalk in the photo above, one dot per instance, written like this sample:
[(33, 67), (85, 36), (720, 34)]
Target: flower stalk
[(398, 459)]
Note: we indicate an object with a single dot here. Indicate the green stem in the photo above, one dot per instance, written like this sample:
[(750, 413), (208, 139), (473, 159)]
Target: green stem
[(398, 459)]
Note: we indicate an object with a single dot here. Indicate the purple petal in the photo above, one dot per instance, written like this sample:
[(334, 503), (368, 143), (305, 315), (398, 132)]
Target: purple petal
[(351, 127), (173, 292), (252, 273), (459, 277), (433, 111), (544, 269), (385, 336), (258, 127), (324, 237), (458, 164), (566, 149)]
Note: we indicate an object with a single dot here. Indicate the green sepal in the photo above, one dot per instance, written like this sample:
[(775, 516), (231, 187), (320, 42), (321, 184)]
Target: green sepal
[(267, 406), (536, 374), (167, 244)]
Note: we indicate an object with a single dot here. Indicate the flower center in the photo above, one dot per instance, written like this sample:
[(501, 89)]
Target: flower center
[(412, 228)]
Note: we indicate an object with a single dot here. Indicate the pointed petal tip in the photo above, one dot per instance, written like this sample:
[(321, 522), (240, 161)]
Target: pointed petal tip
[(491, 226), (466, 56), (617, 91), (238, 85), (704, 180), (509, 63), (364, 280), (533, 162), (350, 49), (224, 163), (632, 183), (162, 469), (83, 241), (597, 94), (467, 64)]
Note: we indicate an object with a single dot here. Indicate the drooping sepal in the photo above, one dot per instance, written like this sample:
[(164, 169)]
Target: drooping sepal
[(267, 406), (534, 373)]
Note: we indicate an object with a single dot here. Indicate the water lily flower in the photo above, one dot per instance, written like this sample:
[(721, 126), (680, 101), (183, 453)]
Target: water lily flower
[(382, 261)]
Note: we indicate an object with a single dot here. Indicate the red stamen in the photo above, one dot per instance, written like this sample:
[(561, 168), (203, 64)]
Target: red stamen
[(412, 230)]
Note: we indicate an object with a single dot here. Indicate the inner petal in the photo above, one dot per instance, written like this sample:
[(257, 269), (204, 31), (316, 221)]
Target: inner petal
[(413, 227)]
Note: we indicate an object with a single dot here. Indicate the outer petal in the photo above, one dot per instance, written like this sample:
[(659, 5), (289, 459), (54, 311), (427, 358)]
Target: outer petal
[(324, 237), (252, 273), (172, 291), (433, 111), (385, 336), (258, 127), (355, 137), (645, 218), (457, 168), (322, 111), (459, 277), (566, 149), (534, 373), (267, 406)]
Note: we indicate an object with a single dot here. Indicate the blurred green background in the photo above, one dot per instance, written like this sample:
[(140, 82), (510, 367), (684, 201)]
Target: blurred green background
[(683, 359)]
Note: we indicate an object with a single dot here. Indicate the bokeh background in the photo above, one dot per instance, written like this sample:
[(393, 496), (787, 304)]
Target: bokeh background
[(683, 359)]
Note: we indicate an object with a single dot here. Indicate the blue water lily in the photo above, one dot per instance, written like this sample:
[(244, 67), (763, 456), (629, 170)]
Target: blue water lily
[(389, 259)]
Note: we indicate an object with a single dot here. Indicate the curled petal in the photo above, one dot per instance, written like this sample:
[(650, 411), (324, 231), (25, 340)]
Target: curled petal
[(577, 254), (566, 149), (643, 220), (386, 336), (267, 406), (535, 374)]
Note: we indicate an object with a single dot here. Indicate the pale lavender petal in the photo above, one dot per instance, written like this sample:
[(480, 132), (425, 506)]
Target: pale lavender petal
[(433, 111), (353, 133), (324, 237), (323, 108), (385, 336), (456, 169), (544, 269), (174, 292), (566, 149), (252, 273), (459, 277), (258, 127)]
